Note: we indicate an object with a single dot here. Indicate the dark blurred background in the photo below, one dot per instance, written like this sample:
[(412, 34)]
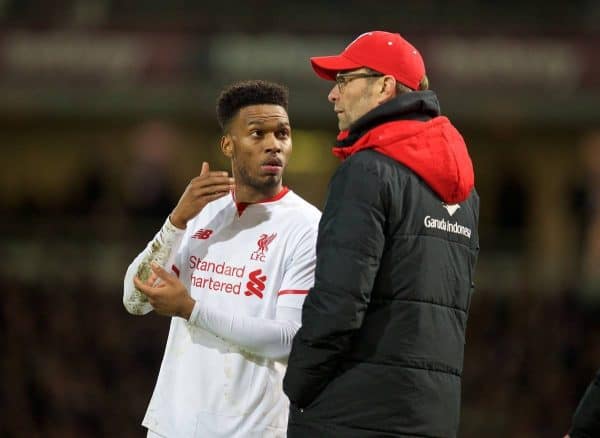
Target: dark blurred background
[(107, 110)]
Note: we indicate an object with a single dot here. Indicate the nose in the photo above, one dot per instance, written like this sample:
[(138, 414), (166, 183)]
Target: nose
[(272, 144), (334, 94)]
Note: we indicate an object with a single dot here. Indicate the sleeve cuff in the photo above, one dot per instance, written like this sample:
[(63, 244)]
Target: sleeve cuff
[(195, 317), (170, 229)]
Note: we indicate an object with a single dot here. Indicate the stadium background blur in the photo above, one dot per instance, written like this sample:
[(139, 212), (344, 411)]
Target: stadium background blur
[(107, 110)]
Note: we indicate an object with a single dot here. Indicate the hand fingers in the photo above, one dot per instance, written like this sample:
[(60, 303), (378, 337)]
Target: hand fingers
[(209, 173), (161, 273), (151, 279), (212, 178), (201, 187), (214, 196), (141, 286), (205, 169), (211, 190), (148, 289)]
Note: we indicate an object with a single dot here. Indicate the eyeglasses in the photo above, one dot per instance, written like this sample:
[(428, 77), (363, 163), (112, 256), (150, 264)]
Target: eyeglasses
[(343, 79)]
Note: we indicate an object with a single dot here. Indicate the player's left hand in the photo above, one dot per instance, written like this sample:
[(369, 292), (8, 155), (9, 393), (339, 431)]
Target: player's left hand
[(169, 297)]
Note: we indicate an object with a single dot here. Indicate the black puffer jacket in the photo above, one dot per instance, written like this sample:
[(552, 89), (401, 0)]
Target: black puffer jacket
[(380, 350), (586, 420)]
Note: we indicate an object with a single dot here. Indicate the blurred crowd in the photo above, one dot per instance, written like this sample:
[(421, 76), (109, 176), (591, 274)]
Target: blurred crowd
[(75, 364), (528, 360), (134, 178), (177, 15)]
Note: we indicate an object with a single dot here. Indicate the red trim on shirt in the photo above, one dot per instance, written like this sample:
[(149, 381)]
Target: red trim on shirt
[(292, 292), (175, 270), (241, 206), (284, 190)]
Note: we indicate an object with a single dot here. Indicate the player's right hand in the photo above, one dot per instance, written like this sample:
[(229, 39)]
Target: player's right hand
[(201, 190)]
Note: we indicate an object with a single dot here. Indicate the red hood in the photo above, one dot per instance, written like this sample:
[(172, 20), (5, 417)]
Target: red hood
[(434, 150)]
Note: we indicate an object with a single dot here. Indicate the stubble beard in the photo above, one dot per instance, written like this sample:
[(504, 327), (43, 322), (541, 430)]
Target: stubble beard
[(345, 122), (260, 185)]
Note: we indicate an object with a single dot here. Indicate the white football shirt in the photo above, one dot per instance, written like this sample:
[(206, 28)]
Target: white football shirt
[(254, 261)]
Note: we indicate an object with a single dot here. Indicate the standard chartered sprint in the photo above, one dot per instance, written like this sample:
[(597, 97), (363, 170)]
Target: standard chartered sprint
[(444, 225)]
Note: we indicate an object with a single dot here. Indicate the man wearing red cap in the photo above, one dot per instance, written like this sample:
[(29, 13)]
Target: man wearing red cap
[(380, 351)]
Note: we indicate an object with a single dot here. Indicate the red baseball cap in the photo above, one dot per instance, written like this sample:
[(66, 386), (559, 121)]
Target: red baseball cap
[(385, 52)]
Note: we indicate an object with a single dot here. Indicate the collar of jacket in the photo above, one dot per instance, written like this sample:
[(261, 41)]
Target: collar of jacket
[(416, 105), (409, 130)]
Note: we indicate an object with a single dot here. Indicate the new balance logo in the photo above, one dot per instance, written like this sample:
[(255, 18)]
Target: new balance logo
[(256, 285), (202, 234)]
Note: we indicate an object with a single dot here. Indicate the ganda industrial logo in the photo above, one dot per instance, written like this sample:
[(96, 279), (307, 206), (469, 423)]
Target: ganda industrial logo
[(263, 246)]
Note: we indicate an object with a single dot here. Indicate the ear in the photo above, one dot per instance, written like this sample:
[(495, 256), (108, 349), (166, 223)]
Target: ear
[(388, 89), (227, 145)]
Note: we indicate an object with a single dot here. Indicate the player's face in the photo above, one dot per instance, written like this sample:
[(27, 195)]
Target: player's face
[(353, 99), (259, 144)]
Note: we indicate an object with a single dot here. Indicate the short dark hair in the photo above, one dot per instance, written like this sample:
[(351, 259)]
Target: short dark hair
[(401, 88), (242, 94)]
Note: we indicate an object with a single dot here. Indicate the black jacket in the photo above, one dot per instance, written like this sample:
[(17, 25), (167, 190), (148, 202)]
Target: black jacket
[(586, 420), (380, 350)]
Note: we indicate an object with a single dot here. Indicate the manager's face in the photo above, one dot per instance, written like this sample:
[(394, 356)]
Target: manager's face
[(353, 96)]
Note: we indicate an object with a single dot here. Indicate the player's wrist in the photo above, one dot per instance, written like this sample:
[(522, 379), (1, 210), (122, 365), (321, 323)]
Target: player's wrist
[(177, 221), (187, 308)]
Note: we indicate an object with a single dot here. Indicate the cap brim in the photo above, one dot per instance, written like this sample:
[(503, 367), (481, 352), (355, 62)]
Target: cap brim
[(327, 67)]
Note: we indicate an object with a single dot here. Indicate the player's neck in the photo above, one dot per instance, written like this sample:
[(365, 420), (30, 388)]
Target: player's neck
[(251, 195)]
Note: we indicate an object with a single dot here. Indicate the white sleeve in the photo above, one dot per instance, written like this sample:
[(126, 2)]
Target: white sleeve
[(269, 338), (300, 273), (162, 250)]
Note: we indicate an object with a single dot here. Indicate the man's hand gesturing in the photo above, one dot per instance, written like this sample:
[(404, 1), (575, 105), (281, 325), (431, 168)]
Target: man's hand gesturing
[(201, 190), (169, 297)]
